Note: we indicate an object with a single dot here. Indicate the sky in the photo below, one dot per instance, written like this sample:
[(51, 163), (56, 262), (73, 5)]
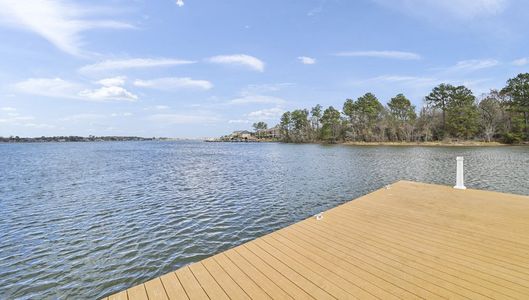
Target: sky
[(203, 68)]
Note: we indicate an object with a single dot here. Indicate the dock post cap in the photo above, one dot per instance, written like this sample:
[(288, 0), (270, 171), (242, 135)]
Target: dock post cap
[(460, 185)]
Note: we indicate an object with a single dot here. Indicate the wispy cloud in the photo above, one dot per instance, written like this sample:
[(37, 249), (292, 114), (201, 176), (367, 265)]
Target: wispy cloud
[(59, 22), (455, 9), (174, 83), (239, 59), (132, 63), (175, 119), (318, 9), (239, 121), (472, 65), (48, 87), (521, 62), (381, 54), (60, 88), (8, 109), (106, 93), (307, 60), (180, 3), (112, 81), (266, 114), (254, 89), (257, 99)]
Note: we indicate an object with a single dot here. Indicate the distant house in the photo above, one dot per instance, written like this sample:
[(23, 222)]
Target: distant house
[(270, 133), (241, 135)]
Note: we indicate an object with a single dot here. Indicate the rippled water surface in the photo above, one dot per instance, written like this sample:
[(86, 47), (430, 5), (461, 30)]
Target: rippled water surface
[(83, 220)]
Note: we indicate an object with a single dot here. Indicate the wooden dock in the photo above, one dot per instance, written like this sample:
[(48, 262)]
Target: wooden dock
[(408, 241)]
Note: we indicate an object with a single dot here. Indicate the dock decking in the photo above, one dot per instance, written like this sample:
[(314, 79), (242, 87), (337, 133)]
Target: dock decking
[(411, 241)]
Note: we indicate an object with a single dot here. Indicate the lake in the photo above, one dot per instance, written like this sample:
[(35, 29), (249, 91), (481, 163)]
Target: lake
[(84, 220)]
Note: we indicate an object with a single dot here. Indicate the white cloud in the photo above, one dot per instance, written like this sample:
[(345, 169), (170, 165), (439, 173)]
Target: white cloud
[(382, 54), (266, 114), (124, 114), (457, 9), (16, 120), (180, 3), (307, 60), (239, 59), (132, 63), (260, 99), (174, 83), (113, 81), (48, 87), (83, 117), (106, 93), (8, 109), (161, 107), (59, 22), (239, 121), (60, 88), (521, 62), (170, 119), (253, 89), (473, 65)]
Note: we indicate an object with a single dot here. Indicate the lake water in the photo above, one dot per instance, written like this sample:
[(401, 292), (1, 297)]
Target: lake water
[(83, 220)]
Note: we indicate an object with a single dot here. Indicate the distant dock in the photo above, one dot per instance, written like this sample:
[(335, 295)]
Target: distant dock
[(405, 241)]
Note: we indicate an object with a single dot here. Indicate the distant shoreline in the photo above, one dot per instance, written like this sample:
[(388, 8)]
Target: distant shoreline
[(77, 139), (434, 144), (394, 144)]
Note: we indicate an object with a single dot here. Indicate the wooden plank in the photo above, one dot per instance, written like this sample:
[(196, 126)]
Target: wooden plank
[(269, 286), (468, 261), (496, 256), (377, 277), (190, 284), (208, 283), (282, 281), (245, 282), (232, 289), (119, 296), (349, 274), (155, 289), (358, 242), (301, 269), (421, 279), (173, 287), (306, 285), (410, 241), (137, 292)]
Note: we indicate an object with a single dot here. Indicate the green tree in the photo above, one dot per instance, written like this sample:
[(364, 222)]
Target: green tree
[(403, 113), (258, 127), (401, 108), (316, 113), (491, 115), (368, 109), (285, 126), (461, 113), (518, 91), (350, 111), (439, 99), (300, 124), (331, 124)]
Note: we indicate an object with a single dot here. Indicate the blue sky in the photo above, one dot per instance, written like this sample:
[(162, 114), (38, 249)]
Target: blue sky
[(193, 68)]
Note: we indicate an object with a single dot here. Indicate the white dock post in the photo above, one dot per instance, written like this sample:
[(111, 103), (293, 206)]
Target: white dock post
[(460, 185)]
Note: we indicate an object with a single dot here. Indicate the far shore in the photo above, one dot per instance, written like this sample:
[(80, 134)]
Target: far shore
[(434, 144), (396, 144)]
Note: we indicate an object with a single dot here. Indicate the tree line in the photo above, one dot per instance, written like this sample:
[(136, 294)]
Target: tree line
[(450, 112)]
